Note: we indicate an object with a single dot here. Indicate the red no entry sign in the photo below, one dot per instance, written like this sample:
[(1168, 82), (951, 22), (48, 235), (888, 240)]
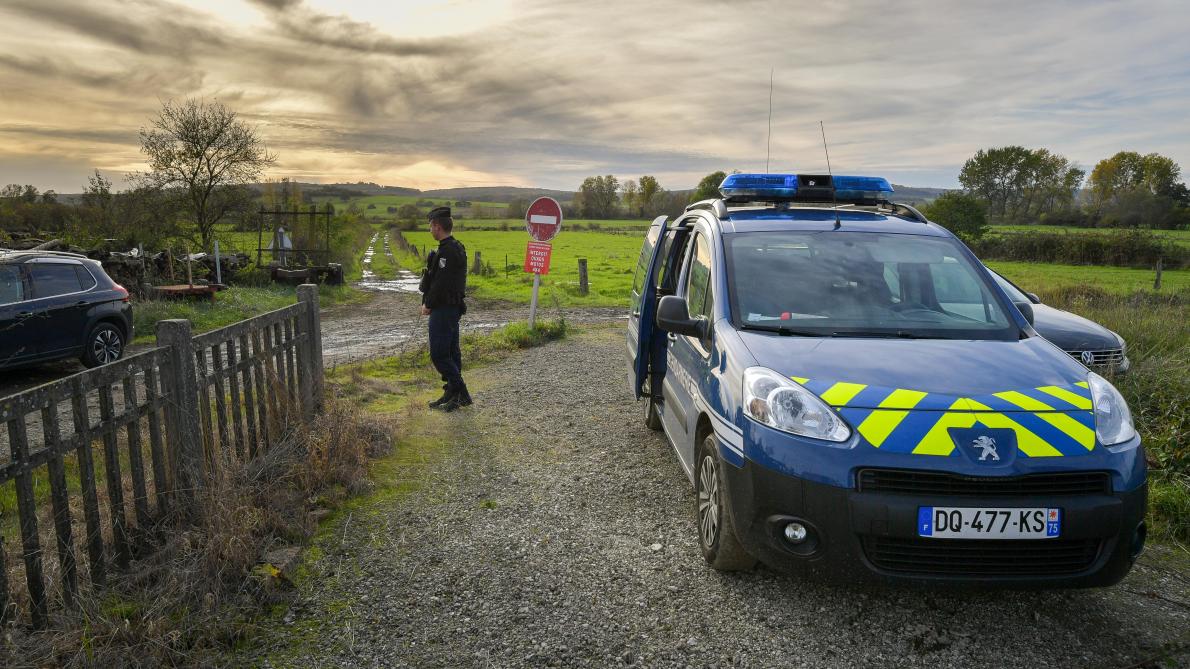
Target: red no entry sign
[(543, 219), (537, 257)]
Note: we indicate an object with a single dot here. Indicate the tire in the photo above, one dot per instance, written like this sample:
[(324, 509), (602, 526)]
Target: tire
[(652, 418), (717, 537), (104, 343)]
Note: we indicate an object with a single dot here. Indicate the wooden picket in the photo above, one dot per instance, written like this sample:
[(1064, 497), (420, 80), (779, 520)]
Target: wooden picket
[(183, 410)]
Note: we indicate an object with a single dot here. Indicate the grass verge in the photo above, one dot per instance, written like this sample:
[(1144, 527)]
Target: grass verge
[(230, 306)]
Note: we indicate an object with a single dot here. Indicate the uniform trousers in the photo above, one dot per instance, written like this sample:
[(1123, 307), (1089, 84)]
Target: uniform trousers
[(444, 346)]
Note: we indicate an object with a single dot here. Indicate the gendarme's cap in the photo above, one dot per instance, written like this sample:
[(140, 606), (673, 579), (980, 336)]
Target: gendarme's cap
[(438, 212)]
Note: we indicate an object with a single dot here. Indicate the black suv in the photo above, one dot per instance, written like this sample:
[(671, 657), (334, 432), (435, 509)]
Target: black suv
[(60, 305)]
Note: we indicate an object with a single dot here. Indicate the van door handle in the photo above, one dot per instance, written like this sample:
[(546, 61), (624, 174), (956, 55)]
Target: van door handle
[(25, 314)]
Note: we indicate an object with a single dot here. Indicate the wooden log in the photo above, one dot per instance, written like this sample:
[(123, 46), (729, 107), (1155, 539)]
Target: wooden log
[(18, 444), (60, 498), (87, 484)]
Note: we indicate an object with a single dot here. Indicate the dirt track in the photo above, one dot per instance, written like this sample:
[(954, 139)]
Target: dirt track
[(555, 530)]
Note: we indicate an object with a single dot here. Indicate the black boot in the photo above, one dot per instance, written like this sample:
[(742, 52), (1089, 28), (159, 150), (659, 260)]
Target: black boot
[(464, 397), (447, 394)]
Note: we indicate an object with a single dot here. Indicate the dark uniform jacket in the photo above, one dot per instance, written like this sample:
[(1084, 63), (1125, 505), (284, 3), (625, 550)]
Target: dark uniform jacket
[(445, 278)]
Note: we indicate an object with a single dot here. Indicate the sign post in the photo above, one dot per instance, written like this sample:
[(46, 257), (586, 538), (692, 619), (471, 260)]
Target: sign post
[(543, 221)]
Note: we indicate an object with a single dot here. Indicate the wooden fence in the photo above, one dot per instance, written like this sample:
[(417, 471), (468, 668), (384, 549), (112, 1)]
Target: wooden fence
[(186, 408)]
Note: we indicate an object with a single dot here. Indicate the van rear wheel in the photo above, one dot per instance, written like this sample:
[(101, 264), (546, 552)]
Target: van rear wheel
[(716, 530)]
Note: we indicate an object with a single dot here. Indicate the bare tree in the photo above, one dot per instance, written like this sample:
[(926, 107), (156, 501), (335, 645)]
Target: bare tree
[(205, 151)]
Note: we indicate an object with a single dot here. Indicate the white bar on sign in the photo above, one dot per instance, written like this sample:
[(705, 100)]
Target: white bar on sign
[(543, 220)]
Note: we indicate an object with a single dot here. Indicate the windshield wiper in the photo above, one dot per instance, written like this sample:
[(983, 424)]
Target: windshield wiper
[(787, 331)]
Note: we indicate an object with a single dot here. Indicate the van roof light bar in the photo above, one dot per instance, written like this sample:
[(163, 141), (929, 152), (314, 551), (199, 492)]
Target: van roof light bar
[(804, 187)]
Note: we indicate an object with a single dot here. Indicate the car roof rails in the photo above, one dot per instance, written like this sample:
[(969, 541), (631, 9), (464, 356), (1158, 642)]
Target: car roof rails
[(714, 205), (906, 211), (36, 252)]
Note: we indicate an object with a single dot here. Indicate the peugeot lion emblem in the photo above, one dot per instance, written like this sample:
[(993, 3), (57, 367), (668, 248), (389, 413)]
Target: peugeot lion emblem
[(1087, 357), (987, 448)]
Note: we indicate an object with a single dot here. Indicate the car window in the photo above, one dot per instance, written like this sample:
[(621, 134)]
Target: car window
[(86, 279), (11, 289), (51, 279), (698, 279), (861, 284), (1013, 294), (642, 264)]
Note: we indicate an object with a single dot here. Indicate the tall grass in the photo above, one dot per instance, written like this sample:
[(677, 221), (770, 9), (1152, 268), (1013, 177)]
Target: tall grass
[(1157, 388)]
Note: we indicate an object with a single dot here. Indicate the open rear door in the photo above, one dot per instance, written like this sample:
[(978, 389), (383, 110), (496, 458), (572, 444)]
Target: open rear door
[(644, 305)]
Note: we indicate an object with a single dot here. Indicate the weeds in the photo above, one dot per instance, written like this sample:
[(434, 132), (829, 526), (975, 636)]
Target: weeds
[(194, 588)]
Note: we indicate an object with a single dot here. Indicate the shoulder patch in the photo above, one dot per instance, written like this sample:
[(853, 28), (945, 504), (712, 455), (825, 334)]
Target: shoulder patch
[(442, 262)]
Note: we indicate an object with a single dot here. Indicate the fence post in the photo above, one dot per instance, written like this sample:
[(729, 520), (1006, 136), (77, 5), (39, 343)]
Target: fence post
[(182, 424), (312, 327), (1157, 281), (477, 267), (583, 287)]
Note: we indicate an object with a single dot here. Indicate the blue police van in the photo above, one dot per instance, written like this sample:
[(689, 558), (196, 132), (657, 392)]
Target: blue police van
[(853, 395)]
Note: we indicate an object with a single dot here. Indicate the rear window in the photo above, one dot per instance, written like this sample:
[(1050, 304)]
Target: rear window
[(11, 289), (52, 279)]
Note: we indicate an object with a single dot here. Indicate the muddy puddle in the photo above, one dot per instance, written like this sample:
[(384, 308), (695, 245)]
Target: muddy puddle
[(405, 282)]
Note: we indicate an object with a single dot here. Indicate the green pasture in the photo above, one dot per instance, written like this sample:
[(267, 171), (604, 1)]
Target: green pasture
[(383, 202), (1043, 277), (611, 260)]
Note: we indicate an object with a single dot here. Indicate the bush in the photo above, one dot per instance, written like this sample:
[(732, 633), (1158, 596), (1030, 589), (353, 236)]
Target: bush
[(961, 213), (1123, 248)]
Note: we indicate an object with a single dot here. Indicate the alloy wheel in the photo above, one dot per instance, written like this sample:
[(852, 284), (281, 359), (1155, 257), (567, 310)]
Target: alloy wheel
[(708, 501), (107, 346)]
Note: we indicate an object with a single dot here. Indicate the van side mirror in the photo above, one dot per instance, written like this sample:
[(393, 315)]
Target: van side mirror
[(1026, 310), (673, 315), (1033, 297)]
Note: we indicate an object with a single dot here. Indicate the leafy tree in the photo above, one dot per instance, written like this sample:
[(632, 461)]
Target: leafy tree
[(599, 197), (516, 208), (961, 213), (649, 188), (709, 186), (1128, 172), (205, 151), (631, 193), (1017, 184)]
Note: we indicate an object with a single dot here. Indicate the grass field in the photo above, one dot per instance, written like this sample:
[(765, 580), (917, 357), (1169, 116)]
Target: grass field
[(1040, 277), (611, 260)]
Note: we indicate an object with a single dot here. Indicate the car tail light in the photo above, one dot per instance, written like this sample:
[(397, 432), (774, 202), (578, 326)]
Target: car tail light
[(123, 292)]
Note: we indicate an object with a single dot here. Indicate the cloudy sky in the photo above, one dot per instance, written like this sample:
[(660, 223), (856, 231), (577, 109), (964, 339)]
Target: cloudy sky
[(443, 93)]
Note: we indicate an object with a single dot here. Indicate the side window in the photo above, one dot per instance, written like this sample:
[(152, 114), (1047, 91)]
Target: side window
[(642, 264), (50, 279), (86, 279), (11, 288), (698, 279)]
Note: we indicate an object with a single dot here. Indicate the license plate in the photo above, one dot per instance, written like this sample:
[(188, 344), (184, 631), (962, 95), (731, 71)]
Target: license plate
[(948, 522)]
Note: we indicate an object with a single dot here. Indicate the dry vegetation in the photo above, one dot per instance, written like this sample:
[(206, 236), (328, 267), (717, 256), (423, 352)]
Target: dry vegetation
[(195, 587)]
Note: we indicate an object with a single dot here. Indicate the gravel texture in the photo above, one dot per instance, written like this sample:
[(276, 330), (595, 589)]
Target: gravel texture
[(557, 531)]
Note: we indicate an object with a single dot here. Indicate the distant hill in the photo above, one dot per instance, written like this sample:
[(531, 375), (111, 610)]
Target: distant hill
[(915, 194)]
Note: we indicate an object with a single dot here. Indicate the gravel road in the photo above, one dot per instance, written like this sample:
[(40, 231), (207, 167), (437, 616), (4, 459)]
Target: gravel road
[(560, 532)]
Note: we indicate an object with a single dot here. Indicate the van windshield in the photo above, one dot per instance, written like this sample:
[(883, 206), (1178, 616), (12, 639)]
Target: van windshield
[(861, 284)]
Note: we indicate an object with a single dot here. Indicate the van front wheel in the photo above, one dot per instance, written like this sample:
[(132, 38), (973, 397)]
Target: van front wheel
[(652, 417), (716, 531)]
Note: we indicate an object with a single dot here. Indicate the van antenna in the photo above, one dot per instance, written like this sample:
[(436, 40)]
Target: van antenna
[(769, 140), (834, 197)]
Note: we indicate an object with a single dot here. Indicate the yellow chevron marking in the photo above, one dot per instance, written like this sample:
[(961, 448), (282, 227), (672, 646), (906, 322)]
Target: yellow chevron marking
[(1084, 435), (1030, 444), (1067, 396), (902, 399), (879, 424), (937, 441), (800, 379), (1083, 384), (841, 393)]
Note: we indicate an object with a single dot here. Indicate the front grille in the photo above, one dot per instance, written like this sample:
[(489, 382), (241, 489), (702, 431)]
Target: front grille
[(909, 482), (975, 557), (1103, 358)]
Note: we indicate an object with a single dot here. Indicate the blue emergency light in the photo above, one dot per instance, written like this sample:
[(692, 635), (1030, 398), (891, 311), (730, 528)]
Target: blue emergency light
[(807, 187)]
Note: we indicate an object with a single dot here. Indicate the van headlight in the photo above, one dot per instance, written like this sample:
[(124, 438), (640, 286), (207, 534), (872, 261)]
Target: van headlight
[(775, 400), (1113, 420)]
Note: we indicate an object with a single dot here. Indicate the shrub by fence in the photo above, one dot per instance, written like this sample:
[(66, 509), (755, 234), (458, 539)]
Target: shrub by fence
[(186, 408), (1124, 248)]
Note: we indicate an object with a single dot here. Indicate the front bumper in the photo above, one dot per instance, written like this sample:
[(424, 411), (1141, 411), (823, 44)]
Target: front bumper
[(861, 535)]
